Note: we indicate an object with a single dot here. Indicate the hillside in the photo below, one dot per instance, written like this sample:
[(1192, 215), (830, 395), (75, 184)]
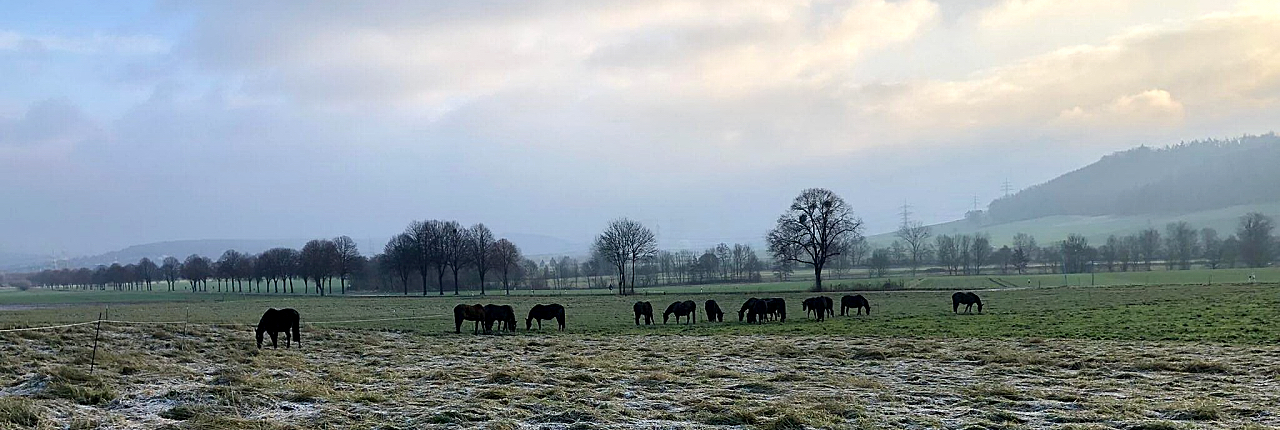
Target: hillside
[(1183, 178)]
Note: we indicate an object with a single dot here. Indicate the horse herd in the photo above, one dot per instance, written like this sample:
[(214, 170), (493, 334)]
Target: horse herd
[(754, 310)]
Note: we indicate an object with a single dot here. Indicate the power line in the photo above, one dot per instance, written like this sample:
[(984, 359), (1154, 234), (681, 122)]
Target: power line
[(906, 214)]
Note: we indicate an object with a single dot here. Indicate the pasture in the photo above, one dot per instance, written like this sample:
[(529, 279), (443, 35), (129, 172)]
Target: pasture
[(1156, 356)]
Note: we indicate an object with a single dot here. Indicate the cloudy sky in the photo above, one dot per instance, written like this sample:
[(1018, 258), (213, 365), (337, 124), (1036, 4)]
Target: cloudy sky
[(132, 122)]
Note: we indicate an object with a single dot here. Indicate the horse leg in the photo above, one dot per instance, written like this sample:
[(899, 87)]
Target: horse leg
[(273, 339)]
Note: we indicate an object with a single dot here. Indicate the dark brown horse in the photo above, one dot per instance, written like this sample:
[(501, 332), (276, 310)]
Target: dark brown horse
[(754, 309), (966, 299), (545, 312), (831, 306), (854, 301), (467, 313), (504, 315), (817, 305), (714, 314), (687, 309), (777, 308), (280, 320), (643, 309)]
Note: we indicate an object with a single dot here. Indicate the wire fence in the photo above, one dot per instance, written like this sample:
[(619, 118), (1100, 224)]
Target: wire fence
[(206, 323)]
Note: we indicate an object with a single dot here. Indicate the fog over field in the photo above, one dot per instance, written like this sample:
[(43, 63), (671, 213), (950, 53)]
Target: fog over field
[(132, 122)]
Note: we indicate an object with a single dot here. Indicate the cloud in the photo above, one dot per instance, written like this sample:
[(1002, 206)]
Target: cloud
[(1149, 108), (54, 122), (98, 43)]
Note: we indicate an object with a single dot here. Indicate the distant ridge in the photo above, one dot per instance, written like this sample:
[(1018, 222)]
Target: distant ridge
[(1187, 177)]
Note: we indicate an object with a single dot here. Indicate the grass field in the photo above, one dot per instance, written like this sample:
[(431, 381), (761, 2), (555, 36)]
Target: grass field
[(1155, 356)]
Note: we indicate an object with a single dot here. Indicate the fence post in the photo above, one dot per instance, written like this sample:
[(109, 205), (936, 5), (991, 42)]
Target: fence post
[(93, 358), (186, 321)]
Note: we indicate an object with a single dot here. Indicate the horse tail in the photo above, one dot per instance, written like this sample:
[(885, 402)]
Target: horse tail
[(297, 334)]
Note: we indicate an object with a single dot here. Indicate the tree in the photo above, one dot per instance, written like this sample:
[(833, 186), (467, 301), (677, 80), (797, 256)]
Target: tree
[(227, 266), (348, 259), (147, 271), (1019, 260), (625, 241), (170, 270), (398, 257), (1254, 234), (817, 226), (1076, 254), (981, 251), (947, 254), (1180, 244), (197, 270), (506, 258), (916, 236), (454, 244), (1148, 245), (1211, 247), (319, 262), (878, 267), (481, 248)]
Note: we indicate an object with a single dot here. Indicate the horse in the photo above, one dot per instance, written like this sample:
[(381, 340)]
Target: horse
[(545, 312), (686, 308), (777, 308), (815, 304), (504, 315), (747, 307), (831, 306), (966, 299), (854, 301), (714, 313), (757, 310), (467, 313), (280, 320), (644, 309)]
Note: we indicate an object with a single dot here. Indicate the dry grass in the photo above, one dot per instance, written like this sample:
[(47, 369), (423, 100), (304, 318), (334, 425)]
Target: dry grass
[(215, 378)]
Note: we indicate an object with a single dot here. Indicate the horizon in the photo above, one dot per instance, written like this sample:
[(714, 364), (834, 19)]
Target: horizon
[(142, 122)]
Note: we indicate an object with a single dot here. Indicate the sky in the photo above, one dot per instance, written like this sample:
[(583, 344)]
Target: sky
[(130, 122)]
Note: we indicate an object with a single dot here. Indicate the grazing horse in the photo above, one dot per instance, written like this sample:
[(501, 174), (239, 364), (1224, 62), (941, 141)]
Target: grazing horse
[(816, 305), (687, 309), (280, 320), (777, 308), (467, 313), (831, 306), (966, 299), (714, 313), (545, 312), (504, 315), (747, 307), (755, 309), (643, 309), (854, 301)]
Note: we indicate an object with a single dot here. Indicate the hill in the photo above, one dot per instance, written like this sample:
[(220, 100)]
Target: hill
[(1184, 178)]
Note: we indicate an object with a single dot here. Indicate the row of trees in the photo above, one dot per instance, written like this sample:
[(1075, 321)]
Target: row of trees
[(446, 248)]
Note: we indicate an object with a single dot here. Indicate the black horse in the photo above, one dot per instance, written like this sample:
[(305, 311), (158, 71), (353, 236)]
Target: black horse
[(643, 309), (504, 315), (714, 314), (280, 320), (966, 299), (777, 308), (755, 309), (467, 313), (545, 312), (687, 309), (831, 306), (816, 305), (854, 301)]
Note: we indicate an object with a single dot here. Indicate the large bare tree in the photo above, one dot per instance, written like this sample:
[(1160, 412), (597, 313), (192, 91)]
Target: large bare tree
[(506, 258), (480, 245), (916, 236), (454, 249), (625, 242), (348, 259), (399, 256), (1254, 234), (817, 226), (319, 260)]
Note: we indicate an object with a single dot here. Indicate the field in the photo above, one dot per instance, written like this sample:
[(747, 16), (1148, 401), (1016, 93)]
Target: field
[(1155, 356)]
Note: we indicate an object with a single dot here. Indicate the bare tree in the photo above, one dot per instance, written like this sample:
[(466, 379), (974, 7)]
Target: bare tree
[(428, 238), (818, 225), (1181, 243), (916, 236), (348, 259), (170, 270), (625, 241), (981, 251), (226, 267), (319, 261), (197, 270), (1254, 236), (506, 258), (399, 256), (454, 246), (1148, 245), (147, 271), (481, 249)]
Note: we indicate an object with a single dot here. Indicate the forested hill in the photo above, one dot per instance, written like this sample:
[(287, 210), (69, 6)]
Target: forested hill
[(1187, 177)]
